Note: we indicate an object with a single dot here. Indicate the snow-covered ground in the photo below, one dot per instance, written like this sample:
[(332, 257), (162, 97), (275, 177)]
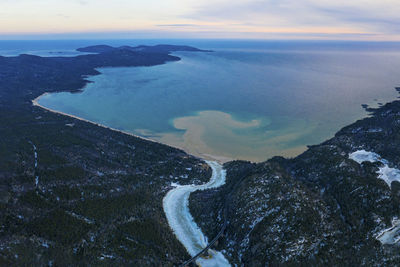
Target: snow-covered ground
[(176, 208), (36, 163), (385, 172), (390, 235)]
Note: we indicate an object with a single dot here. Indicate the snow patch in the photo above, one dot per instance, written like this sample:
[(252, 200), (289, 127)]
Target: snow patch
[(384, 172), (36, 163), (45, 244), (80, 217), (361, 155), (390, 236), (105, 256)]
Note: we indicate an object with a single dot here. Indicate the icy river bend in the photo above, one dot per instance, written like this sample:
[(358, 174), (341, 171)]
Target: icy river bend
[(176, 208)]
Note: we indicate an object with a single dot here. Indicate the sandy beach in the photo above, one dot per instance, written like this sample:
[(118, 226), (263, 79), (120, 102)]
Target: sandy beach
[(219, 159)]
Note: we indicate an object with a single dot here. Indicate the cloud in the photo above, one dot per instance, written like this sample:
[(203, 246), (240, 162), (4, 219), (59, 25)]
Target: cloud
[(367, 15), (63, 16), (363, 17), (217, 18), (83, 2), (178, 25)]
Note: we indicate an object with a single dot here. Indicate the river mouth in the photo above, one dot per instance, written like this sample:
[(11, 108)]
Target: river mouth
[(217, 135)]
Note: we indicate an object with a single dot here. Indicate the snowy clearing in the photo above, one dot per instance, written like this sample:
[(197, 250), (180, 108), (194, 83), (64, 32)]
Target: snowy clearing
[(385, 172), (390, 235)]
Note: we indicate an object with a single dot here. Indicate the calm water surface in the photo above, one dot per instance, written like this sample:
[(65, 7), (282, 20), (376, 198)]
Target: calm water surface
[(247, 100)]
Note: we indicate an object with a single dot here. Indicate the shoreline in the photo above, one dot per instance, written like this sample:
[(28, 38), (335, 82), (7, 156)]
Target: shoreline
[(212, 161), (204, 157)]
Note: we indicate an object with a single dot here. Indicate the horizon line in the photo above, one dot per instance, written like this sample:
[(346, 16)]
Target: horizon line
[(205, 38)]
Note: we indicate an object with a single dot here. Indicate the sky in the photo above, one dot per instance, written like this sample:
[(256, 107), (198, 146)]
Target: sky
[(247, 19)]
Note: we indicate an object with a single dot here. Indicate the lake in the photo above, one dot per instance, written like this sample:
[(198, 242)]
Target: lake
[(246, 100)]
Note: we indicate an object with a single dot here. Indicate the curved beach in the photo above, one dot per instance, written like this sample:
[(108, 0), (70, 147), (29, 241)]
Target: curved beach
[(176, 203)]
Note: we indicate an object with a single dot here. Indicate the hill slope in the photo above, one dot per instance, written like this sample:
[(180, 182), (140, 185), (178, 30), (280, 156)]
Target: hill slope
[(319, 208), (73, 193)]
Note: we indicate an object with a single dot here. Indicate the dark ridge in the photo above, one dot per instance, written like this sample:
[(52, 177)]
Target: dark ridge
[(96, 49), (319, 208), (163, 48)]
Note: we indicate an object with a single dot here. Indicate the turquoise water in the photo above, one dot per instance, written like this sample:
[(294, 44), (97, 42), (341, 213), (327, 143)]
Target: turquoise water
[(243, 101)]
